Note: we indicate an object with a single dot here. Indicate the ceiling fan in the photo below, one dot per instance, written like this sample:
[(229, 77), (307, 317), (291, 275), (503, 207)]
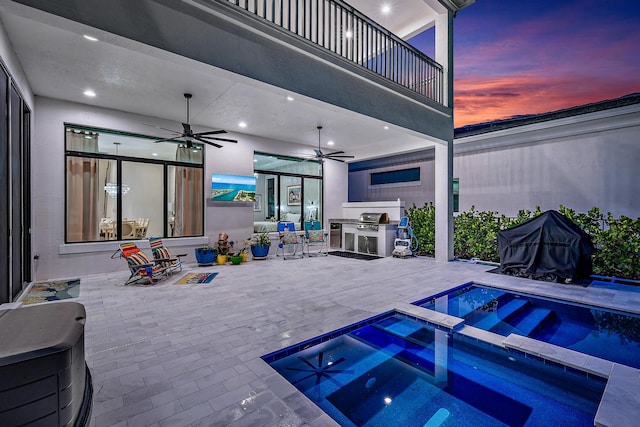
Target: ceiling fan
[(189, 136), (336, 155)]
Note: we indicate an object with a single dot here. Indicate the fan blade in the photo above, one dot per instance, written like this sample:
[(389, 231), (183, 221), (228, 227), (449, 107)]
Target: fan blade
[(161, 128), (175, 138), (211, 132), (335, 152), (217, 139), (187, 128), (306, 362), (197, 138)]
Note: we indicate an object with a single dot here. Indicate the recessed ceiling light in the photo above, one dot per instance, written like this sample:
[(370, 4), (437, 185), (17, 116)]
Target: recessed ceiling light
[(386, 127), (255, 160), (242, 124), (90, 38), (89, 93), (386, 9), (289, 98), (330, 143), (348, 34), (154, 154)]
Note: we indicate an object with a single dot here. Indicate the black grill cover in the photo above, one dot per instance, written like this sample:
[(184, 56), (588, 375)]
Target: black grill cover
[(546, 246)]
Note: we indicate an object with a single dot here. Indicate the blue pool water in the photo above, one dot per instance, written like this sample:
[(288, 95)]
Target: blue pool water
[(394, 370), (607, 334)]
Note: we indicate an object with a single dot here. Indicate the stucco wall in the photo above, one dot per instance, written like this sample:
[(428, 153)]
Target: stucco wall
[(58, 260)]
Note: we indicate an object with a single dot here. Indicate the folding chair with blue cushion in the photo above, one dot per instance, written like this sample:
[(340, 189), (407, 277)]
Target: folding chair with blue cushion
[(163, 255), (314, 235), (142, 268), (289, 238)]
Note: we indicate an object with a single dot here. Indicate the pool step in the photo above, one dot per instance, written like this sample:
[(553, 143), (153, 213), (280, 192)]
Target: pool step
[(532, 320), (464, 309), (501, 314)]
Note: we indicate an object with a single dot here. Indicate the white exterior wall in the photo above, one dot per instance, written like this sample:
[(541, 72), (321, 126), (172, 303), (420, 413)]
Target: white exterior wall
[(585, 161), (360, 191), (580, 162), (59, 260)]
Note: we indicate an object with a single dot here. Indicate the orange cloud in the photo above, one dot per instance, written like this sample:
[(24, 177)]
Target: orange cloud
[(484, 99)]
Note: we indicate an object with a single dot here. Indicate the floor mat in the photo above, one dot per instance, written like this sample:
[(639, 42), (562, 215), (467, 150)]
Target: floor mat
[(354, 255), (53, 290), (191, 278)]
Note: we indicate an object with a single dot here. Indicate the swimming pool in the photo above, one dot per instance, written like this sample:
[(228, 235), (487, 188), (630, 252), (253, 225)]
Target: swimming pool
[(395, 369), (607, 334)]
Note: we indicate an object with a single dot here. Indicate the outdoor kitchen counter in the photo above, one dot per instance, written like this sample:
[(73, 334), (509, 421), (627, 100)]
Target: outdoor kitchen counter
[(355, 221)]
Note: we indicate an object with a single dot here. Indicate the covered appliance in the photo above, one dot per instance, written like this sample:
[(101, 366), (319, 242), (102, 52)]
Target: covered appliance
[(549, 246)]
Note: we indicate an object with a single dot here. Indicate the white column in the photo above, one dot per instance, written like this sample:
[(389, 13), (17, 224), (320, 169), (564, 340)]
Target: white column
[(444, 152), (444, 201)]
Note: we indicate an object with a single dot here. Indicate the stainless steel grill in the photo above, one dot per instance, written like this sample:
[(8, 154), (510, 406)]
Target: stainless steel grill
[(369, 221)]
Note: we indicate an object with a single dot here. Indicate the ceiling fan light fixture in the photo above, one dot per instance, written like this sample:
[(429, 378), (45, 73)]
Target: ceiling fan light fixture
[(191, 138)]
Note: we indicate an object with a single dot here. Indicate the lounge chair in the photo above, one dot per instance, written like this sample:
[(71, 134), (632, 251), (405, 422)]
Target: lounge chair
[(142, 268), (160, 253)]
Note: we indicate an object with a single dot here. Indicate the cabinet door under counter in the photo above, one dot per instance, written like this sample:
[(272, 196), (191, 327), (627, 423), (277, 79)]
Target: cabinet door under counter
[(371, 242)]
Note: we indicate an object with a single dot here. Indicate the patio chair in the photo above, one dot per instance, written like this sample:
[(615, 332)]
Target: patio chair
[(314, 235), (142, 268), (164, 256), (289, 238)]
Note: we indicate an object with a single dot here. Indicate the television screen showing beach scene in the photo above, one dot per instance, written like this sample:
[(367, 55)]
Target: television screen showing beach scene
[(233, 188)]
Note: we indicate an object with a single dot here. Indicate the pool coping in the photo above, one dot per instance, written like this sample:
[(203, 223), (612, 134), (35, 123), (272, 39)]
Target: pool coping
[(618, 403)]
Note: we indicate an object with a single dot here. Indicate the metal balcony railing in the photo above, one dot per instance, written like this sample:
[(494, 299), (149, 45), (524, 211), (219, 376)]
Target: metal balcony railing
[(343, 30)]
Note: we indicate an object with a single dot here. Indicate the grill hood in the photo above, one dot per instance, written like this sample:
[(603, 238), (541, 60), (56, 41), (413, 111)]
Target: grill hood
[(374, 218)]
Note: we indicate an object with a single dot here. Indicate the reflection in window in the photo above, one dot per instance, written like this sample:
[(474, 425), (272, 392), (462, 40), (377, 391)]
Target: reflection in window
[(287, 189), (111, 196)]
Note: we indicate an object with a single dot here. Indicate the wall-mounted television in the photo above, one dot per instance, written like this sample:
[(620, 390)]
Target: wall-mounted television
[(233, 188)]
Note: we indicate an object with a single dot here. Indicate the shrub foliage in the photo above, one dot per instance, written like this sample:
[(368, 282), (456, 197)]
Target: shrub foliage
[(617, 240)]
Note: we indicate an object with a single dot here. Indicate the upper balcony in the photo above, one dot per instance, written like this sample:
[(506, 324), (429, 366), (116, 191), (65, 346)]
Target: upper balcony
[(341, 29)]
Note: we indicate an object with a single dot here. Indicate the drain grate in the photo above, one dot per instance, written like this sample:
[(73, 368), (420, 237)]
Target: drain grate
[(354, 255)]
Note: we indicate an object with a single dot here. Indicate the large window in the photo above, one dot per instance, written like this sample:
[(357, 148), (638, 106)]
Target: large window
[(287, 189), (121, 186), (396, 176)]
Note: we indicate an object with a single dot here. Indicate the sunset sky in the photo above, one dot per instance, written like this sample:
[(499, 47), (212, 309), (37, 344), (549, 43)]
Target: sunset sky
[(532, 56)]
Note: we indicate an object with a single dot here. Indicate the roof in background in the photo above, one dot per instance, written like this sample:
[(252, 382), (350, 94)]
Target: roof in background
[(486, 127)]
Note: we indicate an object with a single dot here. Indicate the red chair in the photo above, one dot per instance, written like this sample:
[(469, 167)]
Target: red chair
[(142, 268)]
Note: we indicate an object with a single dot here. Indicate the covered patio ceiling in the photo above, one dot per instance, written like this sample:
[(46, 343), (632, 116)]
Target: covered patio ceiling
[(129, 76)]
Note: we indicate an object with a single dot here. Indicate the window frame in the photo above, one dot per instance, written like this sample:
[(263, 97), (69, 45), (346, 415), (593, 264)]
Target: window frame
[(119, 159)]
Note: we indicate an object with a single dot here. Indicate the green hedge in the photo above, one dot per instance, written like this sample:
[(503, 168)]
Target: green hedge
[(617, 240)]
